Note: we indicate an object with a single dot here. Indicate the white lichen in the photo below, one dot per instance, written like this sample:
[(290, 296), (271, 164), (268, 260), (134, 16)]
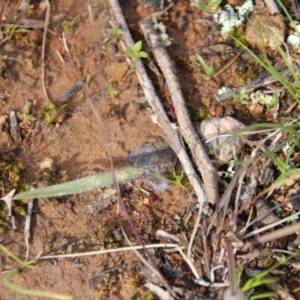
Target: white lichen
[(223, 90), (263, 99), (229, 19), (159, 26), (294, 39)]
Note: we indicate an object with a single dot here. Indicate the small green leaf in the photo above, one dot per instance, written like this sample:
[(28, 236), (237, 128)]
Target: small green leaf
[(130, 51), (20, 115), (201, 5), (115, 31), (137, 46), (266, 295), (143, 54)]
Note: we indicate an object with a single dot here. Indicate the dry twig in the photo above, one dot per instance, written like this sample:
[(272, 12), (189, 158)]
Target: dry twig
[(203, 163), (47, 18)]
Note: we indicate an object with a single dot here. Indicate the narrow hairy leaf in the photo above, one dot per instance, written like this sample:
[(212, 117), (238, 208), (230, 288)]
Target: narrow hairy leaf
[(82, 185)]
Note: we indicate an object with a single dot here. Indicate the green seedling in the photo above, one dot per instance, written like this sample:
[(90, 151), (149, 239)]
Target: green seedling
[(240, 96), (263, 278), (11, 31), (50, 113), (210, 6), (115, 31), (208, 69), (284, 165), (67, 25), (178, 180), (26, 118), (136, 52)]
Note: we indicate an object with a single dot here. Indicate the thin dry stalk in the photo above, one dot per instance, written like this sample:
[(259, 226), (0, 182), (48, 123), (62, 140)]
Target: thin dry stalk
[(148, 265), (28, 223), (47, 18), (240, 173), (270, 226), (277, 234), (206, 261), (110, 251)]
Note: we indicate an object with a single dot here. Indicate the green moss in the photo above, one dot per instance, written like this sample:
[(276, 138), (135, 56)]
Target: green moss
[(10, 178), (239, 34), (19, 210), (137, 281), (10, 172)]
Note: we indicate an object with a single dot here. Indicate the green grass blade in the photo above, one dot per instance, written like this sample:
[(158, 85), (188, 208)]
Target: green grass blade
[(82, 185), (10, 254), (266, 280), (266, 295), (28, 292), (278, 162), (285, 12), (261, 279), (270, 68)]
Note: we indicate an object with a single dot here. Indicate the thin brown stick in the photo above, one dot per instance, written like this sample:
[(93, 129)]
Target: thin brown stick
[(202, 161), (271, 236), (47, 18)]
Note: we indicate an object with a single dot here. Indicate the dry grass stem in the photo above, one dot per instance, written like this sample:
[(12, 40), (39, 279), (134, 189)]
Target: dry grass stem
[(47, 18), (106, 251)]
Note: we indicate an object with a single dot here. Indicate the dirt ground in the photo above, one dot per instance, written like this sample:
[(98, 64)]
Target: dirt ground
[(77, 144)]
